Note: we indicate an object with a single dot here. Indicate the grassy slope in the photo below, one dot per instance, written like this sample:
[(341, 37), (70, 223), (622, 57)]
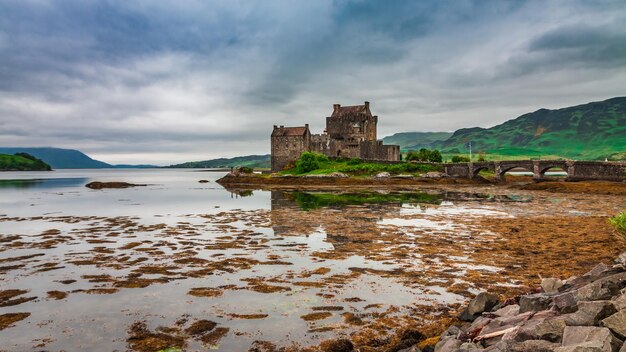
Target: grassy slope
[(366, 168), (589, 131), (255, 161), (416, 140), (20, 163)]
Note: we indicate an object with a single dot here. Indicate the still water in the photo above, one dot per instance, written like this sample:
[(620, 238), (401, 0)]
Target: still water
[(119, 269)]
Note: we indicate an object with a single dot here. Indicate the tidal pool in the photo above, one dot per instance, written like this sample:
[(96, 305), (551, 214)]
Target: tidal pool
[(192, 265)]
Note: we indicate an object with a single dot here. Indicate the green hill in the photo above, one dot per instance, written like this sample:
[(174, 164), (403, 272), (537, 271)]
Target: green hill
[(60, 158), (592, 131), (22, 162), (416, 140), (255, 161)]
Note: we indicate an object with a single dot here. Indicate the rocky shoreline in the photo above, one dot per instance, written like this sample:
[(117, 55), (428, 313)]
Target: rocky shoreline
[(580, 314)]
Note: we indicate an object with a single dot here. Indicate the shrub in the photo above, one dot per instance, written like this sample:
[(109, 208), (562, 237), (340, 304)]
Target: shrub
[(460, 159), (619, 222), (424, 155), (245, 170), (354, 161), (309, 162)]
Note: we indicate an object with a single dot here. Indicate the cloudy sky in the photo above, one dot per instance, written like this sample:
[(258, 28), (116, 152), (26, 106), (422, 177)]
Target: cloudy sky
[(172, 80)]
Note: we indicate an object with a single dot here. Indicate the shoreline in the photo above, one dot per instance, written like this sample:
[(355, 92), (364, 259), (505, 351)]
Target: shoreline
[(243, 181)]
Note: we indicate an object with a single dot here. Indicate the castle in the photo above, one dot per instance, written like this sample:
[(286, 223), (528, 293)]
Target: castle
[(350, 133)]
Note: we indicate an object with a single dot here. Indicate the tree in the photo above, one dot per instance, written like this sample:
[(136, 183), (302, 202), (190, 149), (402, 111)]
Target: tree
[(460, 159), (307, 162)]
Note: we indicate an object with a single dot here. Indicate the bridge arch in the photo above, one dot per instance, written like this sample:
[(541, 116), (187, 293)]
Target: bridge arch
[(506, 168)]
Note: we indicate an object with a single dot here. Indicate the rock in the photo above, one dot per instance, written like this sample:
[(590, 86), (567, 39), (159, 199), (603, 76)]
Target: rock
[(623, 349), (601, 289), (549, 329), (551, 285), (587, 339), (453, 331), (533, 346), (411, 349), (383, 175), (621, 259), (434, 174), (468, 346), (534, 303), (338, 175), (508, 311), (566, 302), (620, 301), (449, 344), (338, 345), (203, 181), (101, 185), (616, 323), (403, 176), (481, 303), (590, 313), (478, 324)]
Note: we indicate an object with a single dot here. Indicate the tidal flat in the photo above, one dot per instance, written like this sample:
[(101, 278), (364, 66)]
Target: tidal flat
[(194, 266)]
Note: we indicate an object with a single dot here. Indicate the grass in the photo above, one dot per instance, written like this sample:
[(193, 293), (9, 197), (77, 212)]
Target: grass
[(619, 223), (22, 162), (357, 167), (308, 201)]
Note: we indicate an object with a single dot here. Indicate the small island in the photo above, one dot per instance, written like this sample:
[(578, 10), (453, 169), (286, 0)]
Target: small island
[(22, 162)]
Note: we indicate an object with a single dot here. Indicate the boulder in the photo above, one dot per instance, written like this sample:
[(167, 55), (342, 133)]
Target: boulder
[(549, 329), (616, 323), (590, 313), (588, 339), (551, 285), (534, 346), (508, 311), (620, 301), (623, 349), (453, 331), (621, 259), (448, 344), (566, 302), (601, 289), (481, 303), (434, 174), (383, 175), (469, 346), (534, 303)]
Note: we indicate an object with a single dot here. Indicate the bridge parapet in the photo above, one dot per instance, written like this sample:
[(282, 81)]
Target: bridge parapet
[(576, 170)]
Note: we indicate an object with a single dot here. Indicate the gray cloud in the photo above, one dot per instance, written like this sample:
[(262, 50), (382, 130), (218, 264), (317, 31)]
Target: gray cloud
[(208, 79)]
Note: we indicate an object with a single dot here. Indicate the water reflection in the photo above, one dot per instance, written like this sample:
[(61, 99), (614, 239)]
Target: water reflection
[(44, 183)]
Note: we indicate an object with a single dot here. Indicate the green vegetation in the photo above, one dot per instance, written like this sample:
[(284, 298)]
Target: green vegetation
[(424, 155), (312, 163), (593, 131), (460, 159), (22, 162), (619, 222), (308, 201), (253, 161), (416, 140)]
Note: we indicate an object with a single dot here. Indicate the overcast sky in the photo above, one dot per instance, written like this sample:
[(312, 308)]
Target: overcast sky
[(171, 81)]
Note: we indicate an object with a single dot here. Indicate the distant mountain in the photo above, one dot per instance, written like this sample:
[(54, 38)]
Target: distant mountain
[(590, 131), (257, 161), (22, 162), (416, 140), (60, 158)]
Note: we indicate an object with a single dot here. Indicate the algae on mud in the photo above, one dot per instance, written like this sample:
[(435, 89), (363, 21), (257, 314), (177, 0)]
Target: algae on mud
[(372, 268)]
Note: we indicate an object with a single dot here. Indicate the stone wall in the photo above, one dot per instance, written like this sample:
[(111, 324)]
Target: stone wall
[(287, 149), (353, 127)]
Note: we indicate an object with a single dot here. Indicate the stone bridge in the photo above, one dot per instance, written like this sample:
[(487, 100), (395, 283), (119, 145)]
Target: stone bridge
[(576, 170)]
